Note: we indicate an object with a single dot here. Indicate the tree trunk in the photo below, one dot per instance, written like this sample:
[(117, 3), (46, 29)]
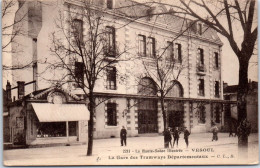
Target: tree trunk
[(165, 124), (90, 123), (241, 100)]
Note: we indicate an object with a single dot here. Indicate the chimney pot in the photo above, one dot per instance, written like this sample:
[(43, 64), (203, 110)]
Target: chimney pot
[(8, 92), (20, 89)]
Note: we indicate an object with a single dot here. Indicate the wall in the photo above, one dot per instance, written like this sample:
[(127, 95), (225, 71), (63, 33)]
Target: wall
[(39, 23), (17, 124), (31, 118), (101, 129)]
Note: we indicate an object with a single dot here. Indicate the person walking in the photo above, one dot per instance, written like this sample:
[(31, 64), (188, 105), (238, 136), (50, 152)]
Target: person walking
[(186, 136), (123, 134), (214, 130), (176, 136), (167, 137)]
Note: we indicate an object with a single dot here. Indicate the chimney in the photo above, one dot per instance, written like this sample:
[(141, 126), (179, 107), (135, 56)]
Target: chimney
[(8, 92), (20, 85)]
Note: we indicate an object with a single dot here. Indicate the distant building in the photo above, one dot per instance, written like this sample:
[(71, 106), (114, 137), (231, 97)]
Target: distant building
[(230, 93)]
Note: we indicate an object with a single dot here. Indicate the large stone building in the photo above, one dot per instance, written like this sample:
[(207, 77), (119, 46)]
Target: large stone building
[(195, 101)]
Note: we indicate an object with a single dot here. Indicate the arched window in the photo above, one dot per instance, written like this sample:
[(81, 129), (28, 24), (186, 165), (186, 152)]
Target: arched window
[(147, 86), (176, 90)]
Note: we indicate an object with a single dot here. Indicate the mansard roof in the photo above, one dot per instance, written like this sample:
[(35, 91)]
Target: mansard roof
[(139, 11), (178, 24)]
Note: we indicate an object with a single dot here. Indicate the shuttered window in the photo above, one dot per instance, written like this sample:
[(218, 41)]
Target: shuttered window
[(111, 114), (111, 78), (110, 42), (79, 73)]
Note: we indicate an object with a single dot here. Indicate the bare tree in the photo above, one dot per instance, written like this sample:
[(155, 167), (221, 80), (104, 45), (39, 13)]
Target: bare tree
[(86, 57)]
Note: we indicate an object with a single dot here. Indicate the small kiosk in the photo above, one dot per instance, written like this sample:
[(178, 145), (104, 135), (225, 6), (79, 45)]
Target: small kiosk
[(49, 116)]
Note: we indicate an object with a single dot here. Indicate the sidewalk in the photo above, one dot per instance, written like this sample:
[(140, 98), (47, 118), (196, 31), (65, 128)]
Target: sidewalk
[(105, 149)]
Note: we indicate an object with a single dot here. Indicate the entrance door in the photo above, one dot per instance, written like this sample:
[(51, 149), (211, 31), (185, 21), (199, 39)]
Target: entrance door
[(175, 119), (175, 114), (147, 116)]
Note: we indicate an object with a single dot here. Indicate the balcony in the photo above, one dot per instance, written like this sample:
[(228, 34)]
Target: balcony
[(201, 69)]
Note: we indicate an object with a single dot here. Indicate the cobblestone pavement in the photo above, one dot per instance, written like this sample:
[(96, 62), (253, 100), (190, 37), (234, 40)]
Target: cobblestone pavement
[(139, 151)]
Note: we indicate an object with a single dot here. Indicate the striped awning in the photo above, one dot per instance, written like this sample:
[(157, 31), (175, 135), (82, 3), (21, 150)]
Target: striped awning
[(47, 112)]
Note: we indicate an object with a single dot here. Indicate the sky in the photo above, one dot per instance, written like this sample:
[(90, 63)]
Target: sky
[(230, 65)]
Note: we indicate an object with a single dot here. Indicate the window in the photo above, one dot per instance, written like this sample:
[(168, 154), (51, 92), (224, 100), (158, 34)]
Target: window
[(201, 56), (201, 87), (142, 45), (110, 40), (111, 78), (176, 91), (151, 47), (111, 114), (202, 114), (147, 86), (78, 30), (110, 4), (178, 54), (217, 114), (216, 60), (79, 73), (169, 51), (216, 88), (200, 28)]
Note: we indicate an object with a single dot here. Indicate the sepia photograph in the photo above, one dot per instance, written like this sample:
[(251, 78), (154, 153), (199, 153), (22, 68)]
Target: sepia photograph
[(129, 82)]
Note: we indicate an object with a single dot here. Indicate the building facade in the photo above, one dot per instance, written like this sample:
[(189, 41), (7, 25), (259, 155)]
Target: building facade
[(195, 101), (230, 93)]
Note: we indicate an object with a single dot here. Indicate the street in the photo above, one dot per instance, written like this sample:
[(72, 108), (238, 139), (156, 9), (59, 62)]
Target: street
[(139, 151)]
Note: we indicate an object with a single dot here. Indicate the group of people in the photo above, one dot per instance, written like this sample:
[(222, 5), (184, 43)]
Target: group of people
[(168, 133)]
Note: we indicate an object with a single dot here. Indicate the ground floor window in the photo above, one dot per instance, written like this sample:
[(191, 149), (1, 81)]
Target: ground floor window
[(202, 114), (56, 129), (111, 114), (217, 114)]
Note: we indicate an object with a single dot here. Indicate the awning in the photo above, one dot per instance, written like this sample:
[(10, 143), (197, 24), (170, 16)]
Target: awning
[(47, 112)]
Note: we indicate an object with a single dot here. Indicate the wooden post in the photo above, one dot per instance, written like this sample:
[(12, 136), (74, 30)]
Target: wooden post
[(67, 133)]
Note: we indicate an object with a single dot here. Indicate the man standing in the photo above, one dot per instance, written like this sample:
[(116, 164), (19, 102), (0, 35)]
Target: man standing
[(186, 136), (123, 133), (176, 136), (167, 137), (214, 130)]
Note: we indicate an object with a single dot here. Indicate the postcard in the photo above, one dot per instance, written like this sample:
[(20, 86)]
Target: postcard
[(123, 82)]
